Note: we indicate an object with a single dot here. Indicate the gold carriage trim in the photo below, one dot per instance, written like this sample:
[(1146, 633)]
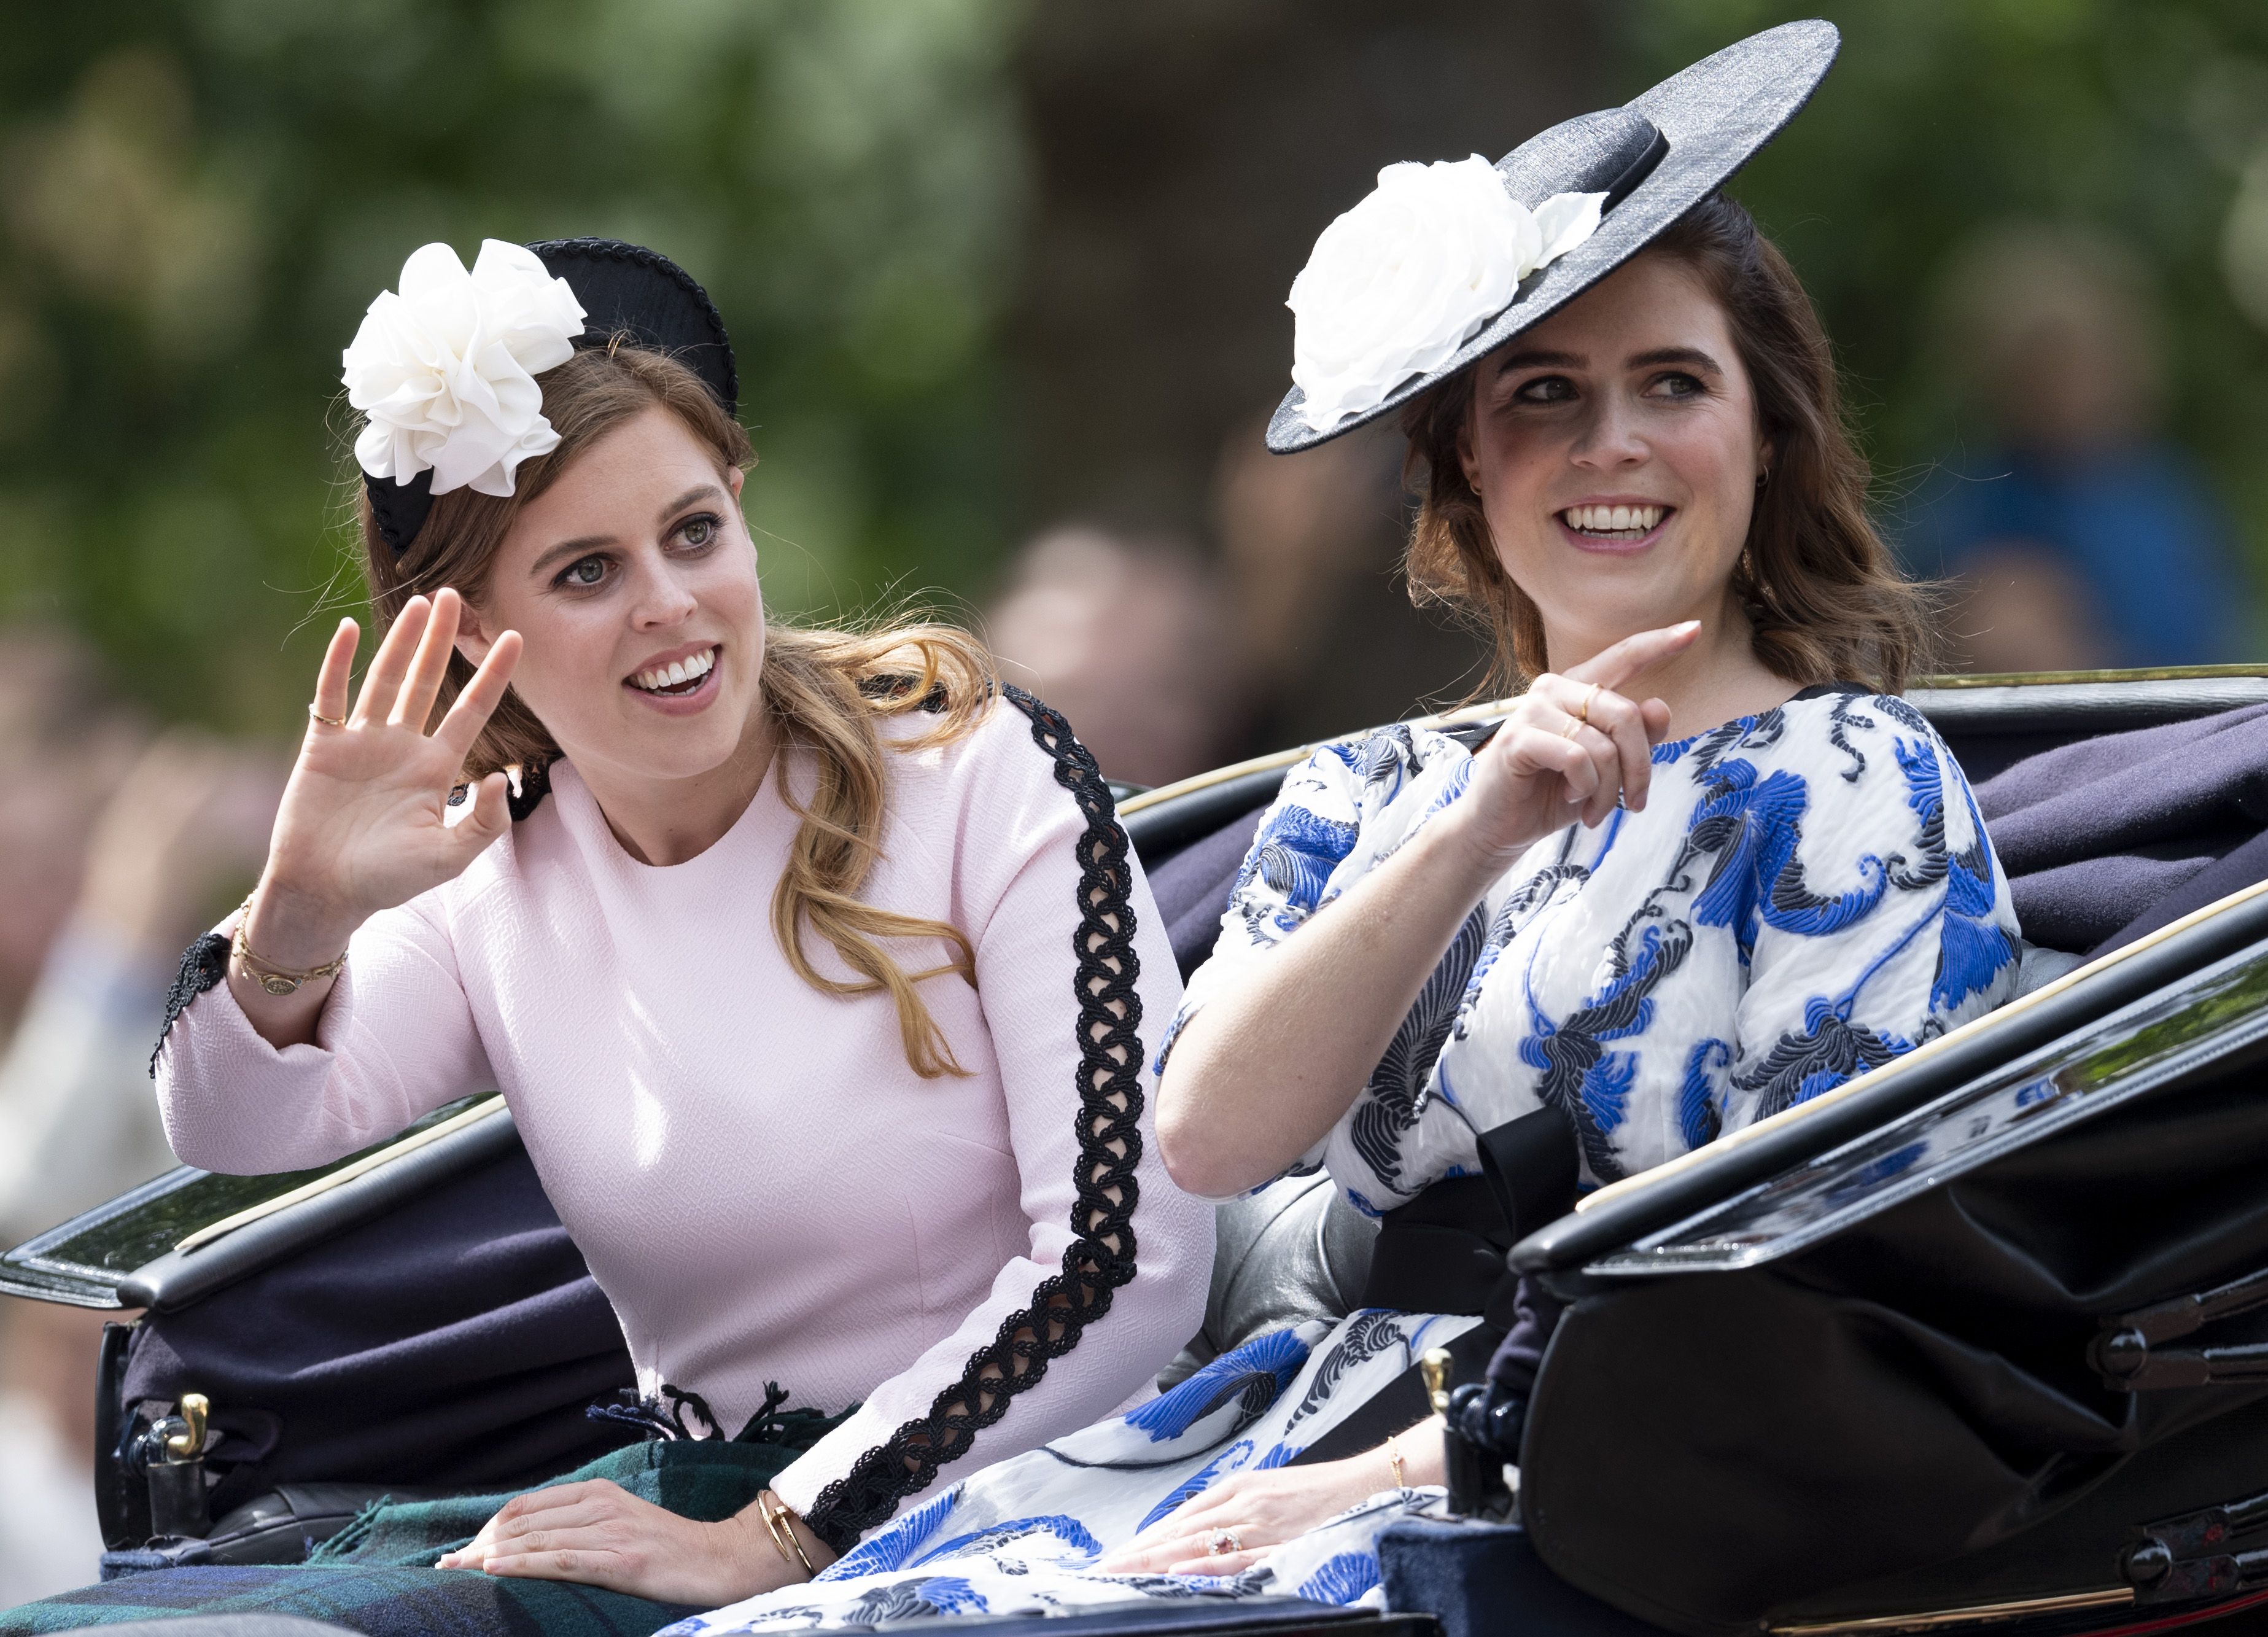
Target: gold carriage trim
[(1974, 1614)]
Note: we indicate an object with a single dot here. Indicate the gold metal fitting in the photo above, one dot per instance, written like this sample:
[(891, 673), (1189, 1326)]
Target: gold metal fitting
[(187, 1444), (1435, 1368)]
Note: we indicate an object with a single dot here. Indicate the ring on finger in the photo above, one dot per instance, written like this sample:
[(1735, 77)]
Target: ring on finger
[(1574, 726), (328, 721), (1221, 1542), (1589, 699)]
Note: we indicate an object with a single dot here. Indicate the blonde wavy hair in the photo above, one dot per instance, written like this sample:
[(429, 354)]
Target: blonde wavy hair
[(828, 690), (1822, 593)]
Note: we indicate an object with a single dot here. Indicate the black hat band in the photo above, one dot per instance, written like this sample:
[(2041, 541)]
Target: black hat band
[(625, 290)]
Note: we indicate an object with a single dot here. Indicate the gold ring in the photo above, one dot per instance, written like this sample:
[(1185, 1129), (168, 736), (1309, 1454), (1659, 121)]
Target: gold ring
[(1589, 699), (328, 721), (1574, 726)]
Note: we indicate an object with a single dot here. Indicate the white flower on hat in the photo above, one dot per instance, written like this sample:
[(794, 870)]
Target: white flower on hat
[(1398, 284), (446, 368)]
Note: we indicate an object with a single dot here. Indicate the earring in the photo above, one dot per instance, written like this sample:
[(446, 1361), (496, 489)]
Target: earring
[(1763, 477)]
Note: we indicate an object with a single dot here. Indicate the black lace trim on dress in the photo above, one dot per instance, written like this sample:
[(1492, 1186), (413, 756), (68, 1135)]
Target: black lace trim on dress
[(203, 964), (1101, 1256)]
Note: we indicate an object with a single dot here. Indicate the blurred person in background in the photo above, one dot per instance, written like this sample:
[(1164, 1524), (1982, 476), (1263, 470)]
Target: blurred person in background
[(1128, 639), (81, 1124), (1167, 666), (2079, 535), (114, 847), (1313, 548)]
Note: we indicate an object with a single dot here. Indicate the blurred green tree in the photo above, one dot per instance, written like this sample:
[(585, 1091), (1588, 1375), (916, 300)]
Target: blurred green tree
[(198, 197), (2146, 120)]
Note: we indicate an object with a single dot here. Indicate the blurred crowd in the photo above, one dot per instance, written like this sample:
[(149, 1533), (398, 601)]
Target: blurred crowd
[(2073, 533), (1289, 624), (119, 841)]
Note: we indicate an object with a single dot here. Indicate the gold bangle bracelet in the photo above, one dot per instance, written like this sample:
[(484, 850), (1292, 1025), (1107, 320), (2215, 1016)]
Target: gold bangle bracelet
[(276, 980), (772, 1529), (782, 1533)]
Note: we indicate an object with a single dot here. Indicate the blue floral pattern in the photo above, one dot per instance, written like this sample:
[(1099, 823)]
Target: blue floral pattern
[(1808, 892), (1024, 1534)]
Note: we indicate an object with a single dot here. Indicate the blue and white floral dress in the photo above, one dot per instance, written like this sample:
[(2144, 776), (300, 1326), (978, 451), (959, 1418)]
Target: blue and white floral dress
[(1808, 892), (1022, 1537)]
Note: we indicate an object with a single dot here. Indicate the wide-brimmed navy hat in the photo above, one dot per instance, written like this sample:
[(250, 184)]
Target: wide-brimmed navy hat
[(1653, 159), (626, 291)]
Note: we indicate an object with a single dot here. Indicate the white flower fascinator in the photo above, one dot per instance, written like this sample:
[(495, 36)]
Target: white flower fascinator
[(445, 367), (1397, 285)]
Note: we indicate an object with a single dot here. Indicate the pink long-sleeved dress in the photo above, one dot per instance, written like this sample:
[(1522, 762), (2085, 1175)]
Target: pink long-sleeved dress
[(761, 1185)]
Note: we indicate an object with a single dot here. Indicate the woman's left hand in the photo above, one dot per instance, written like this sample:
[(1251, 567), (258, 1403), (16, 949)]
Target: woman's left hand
[(1261, 1510), (600, 1534)]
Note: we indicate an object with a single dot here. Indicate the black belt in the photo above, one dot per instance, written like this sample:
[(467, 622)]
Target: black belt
[(1444, 1252)]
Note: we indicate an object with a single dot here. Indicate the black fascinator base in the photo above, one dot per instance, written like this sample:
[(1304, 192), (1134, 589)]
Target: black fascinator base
[(399, 509), (627, 292)]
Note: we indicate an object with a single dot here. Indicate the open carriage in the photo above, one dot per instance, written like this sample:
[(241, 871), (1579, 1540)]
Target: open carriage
[(1979, 1340)]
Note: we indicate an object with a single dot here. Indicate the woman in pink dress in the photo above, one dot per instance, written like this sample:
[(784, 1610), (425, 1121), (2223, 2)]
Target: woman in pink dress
[(814, 968)]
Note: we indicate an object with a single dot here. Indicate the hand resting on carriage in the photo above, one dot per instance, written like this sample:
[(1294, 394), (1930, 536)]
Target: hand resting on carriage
[(1260, 1075), (364, 823)]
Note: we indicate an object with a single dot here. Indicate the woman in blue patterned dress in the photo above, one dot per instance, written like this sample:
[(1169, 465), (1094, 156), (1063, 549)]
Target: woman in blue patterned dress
[(1710, 866)]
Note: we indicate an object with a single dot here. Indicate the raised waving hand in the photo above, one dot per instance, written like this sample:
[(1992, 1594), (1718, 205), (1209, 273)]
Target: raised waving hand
[(364, 823)]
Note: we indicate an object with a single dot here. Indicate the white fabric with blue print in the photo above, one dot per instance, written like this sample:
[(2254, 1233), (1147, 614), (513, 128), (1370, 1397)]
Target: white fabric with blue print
[(1808, 892), (1017, 1537)]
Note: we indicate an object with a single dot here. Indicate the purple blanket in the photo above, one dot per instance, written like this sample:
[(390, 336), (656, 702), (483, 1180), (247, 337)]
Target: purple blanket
[(2112, 837)]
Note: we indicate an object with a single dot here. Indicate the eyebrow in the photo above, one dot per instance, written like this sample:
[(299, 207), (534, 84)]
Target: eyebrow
[(1692, 356), (1533, 359), (582, 544)]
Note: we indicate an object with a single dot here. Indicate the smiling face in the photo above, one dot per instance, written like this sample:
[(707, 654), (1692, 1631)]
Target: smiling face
[(1616, 450), (633, 580)]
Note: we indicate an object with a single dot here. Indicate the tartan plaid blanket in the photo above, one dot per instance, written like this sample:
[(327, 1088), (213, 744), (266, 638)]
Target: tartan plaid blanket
[(374, 1576)]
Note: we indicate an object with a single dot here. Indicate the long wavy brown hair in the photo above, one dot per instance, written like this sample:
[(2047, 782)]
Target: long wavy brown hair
[(828, 691), (1821, 590)]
